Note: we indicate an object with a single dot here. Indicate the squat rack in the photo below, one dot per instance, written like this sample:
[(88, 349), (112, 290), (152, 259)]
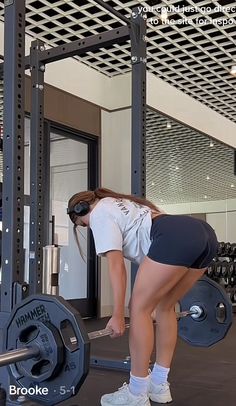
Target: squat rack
[(15, 63)]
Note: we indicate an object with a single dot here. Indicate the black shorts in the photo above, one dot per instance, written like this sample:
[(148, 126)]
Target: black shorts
[(183, 241)]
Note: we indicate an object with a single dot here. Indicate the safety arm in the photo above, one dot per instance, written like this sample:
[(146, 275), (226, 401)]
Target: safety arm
[(118, 278)]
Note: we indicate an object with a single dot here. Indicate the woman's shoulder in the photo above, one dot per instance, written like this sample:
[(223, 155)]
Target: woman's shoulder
[(105, 204)]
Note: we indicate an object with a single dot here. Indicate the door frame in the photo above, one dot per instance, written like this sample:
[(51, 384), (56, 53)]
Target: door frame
[(88, 307)]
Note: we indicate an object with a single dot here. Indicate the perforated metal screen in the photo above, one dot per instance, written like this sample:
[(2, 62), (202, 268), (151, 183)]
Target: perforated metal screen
[(186, 166)]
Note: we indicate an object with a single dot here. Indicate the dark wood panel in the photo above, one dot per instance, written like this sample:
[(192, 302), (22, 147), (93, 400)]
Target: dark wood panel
[(67, 109)]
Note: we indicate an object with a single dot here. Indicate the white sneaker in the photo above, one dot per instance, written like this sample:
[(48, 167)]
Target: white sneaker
[(125, 398), (160, 393)]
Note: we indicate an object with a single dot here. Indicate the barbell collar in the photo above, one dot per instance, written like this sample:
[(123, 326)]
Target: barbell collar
[(10, 357), (195, 312)]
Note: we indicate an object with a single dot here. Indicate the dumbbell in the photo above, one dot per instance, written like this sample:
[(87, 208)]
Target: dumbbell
[(221, 249), (233, 249), (218, 269), (233, 296), (227, 248), (211, 269), (225, 267)]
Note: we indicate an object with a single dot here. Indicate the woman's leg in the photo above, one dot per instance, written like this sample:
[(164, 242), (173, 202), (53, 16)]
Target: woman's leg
[(166, 330), (153, 282)]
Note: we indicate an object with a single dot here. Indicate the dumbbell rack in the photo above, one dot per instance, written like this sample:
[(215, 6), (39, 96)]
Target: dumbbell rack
[(223, 269)]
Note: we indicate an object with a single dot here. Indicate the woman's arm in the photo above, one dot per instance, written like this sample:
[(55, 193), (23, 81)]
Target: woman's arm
[(118, 278)]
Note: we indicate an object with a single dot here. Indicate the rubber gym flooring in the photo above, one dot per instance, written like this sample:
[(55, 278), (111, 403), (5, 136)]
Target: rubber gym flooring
[(199, 376)]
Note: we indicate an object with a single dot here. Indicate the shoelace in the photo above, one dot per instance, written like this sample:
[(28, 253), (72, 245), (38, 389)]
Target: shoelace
[(124, 386)]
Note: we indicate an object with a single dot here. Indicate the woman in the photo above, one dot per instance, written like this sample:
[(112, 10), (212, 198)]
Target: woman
[(172, 251)]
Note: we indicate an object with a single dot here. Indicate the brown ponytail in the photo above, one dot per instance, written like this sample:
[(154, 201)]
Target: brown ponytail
[(100, 193)]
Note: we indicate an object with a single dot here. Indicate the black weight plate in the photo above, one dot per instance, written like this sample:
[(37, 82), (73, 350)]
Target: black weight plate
[(214, 324), (68, 322)]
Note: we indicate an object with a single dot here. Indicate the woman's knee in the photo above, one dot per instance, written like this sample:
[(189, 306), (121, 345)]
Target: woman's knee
[(140, 304), (164, 312)]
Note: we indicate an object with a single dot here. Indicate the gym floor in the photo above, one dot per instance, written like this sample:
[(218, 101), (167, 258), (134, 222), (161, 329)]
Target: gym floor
[(199, 376)]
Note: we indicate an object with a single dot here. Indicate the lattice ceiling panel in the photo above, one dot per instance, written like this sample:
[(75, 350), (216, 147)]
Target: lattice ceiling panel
[(186, 166), (195, 58)]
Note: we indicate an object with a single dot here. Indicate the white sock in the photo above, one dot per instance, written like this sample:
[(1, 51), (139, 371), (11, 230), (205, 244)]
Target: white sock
[(159, 374), (139, 386)]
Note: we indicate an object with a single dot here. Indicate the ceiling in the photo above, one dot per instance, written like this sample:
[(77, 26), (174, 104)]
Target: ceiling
[(195, 58)]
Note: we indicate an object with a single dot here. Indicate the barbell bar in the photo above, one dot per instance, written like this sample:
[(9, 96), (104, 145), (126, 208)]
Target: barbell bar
[(195, 312), (29, 352), (22, 354)]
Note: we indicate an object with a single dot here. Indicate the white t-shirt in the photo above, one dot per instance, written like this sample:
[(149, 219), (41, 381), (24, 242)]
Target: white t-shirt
[(123, 225)]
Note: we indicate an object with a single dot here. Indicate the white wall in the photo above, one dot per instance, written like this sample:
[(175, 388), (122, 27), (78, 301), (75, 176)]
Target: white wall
[(220, 214), (170, 101), (115, 174), (217, 206), (224, 225)]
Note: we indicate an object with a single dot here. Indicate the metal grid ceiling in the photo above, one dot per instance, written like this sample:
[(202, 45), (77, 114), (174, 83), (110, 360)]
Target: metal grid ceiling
[(194, 58), (186, 166)]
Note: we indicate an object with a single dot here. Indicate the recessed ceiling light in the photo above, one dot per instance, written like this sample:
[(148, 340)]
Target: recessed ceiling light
[(208, 177), (211, 144), (205, 196), (161, 200), (176, 168), (153, 183), (232, 185), (233, 70), (168, 125)]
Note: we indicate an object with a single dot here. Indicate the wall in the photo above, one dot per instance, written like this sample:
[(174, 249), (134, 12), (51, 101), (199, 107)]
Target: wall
[(220, 214), (115, 174), (172, 102), (66, 109), (224, 224)]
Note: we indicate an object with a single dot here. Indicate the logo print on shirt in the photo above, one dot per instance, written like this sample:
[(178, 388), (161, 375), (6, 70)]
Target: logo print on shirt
[(122, 206)]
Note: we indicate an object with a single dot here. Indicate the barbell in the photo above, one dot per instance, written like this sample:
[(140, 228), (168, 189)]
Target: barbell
[(47, 348), (34, 351)]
